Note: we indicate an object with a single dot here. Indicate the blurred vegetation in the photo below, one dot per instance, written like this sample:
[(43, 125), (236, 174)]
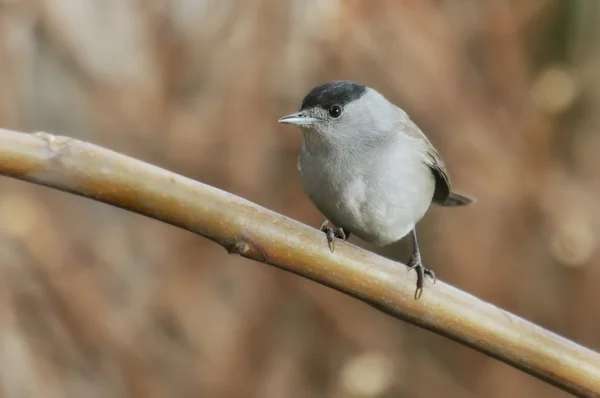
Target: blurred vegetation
[(96, 302)]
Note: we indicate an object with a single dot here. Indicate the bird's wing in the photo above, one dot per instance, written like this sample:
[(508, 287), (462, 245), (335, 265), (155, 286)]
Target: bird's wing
[(443, 194), (443, 186)]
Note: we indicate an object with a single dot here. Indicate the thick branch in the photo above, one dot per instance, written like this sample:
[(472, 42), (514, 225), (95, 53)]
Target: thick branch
[(247, 229)]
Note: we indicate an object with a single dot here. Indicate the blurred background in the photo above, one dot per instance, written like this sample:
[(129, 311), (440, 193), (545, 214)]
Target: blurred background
[(98, 302)]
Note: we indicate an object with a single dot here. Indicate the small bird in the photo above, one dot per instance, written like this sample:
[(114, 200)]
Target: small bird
[(368, 167)]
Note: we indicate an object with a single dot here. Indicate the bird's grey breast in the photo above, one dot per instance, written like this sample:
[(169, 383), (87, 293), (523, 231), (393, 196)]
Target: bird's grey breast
[(334, 182), (377, 193)]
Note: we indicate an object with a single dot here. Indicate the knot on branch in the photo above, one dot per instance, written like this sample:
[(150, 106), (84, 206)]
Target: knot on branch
[(239, 246), (56, 143)]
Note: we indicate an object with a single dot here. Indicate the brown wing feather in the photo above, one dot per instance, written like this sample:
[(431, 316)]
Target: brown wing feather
[(443, 194), (443, 186)]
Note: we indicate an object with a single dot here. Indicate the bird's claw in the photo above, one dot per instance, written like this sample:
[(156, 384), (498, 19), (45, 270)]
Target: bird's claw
[(416, 264), (333, 233)]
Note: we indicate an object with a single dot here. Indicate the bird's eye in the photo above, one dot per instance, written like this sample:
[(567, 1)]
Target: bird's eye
[(335, 111)]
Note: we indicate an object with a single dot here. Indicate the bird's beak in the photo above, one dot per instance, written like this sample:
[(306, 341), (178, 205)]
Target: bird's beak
[(299, 119)]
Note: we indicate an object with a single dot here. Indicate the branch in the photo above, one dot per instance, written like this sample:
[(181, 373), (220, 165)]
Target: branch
[(247, 229)]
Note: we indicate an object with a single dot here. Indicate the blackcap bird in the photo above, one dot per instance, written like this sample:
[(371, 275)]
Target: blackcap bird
[(368, 167)]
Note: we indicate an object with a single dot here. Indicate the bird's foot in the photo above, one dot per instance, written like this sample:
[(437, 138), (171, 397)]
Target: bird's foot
[(416, 264), (333, 233)]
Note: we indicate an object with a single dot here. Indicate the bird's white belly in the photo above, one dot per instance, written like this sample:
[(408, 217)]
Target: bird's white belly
[(382, 215), (379, 204)]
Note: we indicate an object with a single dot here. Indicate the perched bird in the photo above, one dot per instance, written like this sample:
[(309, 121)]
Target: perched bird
[(368, 167)]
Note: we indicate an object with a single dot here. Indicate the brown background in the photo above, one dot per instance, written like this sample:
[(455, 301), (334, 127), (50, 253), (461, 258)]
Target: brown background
[(97, 302)]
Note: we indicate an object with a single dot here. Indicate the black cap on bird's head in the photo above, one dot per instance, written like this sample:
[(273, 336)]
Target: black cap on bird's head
[(340, 92), (328, 97)]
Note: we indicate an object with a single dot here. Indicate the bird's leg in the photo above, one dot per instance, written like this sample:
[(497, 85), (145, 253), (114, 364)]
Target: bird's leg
[(333, 233), (416, 263)]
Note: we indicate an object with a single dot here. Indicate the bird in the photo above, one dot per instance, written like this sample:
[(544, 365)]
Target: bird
[(368, 168)]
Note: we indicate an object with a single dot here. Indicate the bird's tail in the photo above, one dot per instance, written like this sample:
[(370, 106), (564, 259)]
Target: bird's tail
[(455, 199)]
